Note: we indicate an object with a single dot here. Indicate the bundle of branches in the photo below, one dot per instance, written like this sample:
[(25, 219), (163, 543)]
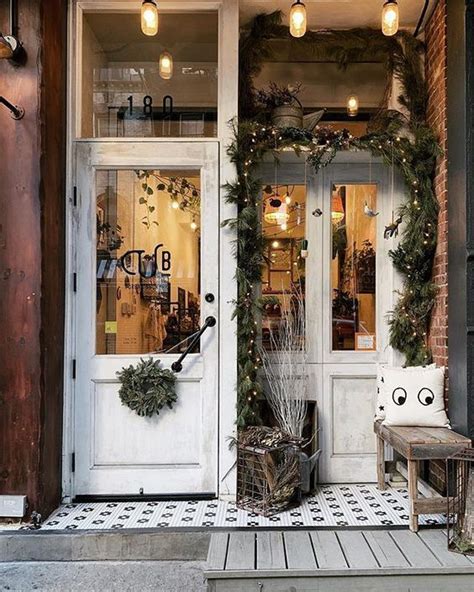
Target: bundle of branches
[(262, 436), (285, 364)]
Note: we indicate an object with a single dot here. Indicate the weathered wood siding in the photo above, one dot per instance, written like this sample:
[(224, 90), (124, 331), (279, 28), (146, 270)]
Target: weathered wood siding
[(32, 194)]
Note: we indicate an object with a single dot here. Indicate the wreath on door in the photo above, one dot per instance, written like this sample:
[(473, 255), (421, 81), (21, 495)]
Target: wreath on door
[(147, 388)]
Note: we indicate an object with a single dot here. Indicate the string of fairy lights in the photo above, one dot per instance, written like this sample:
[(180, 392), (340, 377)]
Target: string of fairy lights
[(412, 257)]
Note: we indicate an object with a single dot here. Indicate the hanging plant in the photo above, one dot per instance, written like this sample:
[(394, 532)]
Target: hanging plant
[(147, 388)]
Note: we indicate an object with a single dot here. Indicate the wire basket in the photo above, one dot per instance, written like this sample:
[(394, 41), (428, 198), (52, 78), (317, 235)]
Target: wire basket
[(460, 486), (268, 479)]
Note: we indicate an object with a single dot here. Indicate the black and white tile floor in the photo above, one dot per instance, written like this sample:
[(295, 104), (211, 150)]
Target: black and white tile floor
[(332, 505)]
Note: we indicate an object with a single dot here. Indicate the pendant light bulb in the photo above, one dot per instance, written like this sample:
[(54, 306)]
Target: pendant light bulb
[(149, 18), (298, 19), (390, 18), (166, 65), (352, 105)]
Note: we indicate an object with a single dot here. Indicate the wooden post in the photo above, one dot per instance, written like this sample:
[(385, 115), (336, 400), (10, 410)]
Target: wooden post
[(413, 492), (380, 463), (32, 198)]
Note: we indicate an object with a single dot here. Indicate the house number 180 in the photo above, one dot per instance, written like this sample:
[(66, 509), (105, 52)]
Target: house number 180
[(147, 105)]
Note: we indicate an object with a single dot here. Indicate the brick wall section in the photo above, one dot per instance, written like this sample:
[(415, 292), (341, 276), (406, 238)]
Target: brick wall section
[(436, 45), (436, 50)]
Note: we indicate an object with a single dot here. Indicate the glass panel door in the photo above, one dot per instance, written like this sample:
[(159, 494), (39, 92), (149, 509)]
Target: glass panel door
[(147, 251)]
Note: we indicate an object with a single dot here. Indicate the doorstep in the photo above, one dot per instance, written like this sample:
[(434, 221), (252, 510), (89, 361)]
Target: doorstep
[(117, 545), (331, 506)]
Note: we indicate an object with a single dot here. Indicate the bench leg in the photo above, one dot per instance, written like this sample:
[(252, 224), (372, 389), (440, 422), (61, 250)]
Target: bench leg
[(380, 463), (413, 492)]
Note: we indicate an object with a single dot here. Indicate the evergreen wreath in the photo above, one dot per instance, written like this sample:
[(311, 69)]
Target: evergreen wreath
[(406, 141), (147, 388)]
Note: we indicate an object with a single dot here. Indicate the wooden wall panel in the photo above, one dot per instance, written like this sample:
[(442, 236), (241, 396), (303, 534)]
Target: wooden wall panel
[(32, 256)]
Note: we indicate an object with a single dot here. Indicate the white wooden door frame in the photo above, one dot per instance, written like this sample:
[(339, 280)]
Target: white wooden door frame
[(227, 111)]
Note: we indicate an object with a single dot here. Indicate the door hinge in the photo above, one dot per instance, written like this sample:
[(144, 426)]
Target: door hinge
[(74, 196), (74, 369), (73, 462), (74, 282)]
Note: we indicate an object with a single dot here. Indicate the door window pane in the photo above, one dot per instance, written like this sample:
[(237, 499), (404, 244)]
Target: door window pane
[(127, 91), (148, 260), (283, 275), (353, 275)]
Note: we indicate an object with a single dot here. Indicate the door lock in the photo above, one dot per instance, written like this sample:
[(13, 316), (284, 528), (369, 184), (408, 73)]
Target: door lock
[(209, 297)]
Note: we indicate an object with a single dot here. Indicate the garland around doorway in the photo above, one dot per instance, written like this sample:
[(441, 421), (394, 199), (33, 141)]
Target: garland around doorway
[(403, 140)]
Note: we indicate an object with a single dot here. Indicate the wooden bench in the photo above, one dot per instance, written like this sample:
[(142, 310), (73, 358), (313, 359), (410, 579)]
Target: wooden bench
[(417, 444)]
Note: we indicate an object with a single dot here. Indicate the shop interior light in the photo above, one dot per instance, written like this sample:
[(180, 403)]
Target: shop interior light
[(149, 18), (166, 65), (9, 44), (390, 18), (298, 19)]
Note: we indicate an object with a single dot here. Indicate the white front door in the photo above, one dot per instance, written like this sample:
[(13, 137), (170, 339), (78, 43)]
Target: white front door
[(350, 262), (348, 285), (147, 278)]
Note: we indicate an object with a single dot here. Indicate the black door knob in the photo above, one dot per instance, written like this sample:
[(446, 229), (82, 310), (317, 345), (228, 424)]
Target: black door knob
[(209, 297)]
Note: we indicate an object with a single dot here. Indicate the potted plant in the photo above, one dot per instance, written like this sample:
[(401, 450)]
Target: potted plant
[(283, 103)]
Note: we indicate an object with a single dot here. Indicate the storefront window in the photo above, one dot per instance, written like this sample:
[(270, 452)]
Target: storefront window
[(353, 279), (283, 275), (134, 85), (148, 260)]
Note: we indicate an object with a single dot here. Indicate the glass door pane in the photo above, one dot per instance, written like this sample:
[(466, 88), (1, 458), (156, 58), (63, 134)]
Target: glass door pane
[(353, 266), (148, 245), (283, 275)]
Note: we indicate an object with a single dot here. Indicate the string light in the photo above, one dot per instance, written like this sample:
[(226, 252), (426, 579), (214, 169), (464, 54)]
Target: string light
[(174, 204)]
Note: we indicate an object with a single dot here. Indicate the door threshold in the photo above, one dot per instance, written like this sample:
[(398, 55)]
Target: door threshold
[(150, 497)]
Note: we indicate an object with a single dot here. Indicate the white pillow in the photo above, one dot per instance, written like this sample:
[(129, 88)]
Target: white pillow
[(381, 391), (415, 398)]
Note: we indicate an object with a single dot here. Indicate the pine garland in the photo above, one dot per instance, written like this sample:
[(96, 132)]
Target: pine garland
[(406, 141)]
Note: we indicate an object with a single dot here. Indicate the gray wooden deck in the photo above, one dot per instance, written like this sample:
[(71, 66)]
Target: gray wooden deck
[(336, 561)]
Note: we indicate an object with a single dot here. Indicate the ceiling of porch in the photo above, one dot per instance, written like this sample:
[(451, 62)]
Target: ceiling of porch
[(338, 14)]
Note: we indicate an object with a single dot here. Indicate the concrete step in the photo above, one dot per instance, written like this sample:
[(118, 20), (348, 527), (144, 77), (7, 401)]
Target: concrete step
[(140, 545), (105, 576)]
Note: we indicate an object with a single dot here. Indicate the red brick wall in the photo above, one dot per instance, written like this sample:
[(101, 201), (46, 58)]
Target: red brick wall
[(436, 50), (436, 46)]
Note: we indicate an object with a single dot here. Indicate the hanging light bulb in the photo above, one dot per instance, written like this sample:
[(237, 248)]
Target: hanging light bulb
[(174, 204), (337, 208), (352, 105), (275, 244), (149, 18), (193, 225), (284, 226), (166, 65), (390, 18), (287, 199), (298, 19), (9, 44), (276, 211)]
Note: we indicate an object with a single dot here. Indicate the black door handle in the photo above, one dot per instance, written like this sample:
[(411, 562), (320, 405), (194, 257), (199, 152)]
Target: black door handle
[(178, 365)]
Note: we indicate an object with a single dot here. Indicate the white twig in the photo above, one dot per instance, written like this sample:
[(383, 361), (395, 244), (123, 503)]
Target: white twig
[(285, 365)]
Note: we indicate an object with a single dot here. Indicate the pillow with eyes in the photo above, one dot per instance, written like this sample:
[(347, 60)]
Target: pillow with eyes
[(382, 391), (415, 398)]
